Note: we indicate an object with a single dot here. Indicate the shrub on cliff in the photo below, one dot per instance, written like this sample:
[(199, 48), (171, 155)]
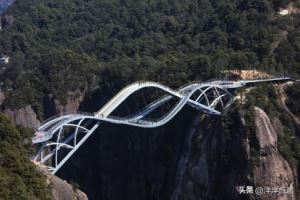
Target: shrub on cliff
[(292, 102), (18, 176)]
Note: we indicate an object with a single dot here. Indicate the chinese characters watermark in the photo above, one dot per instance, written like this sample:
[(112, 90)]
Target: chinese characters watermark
[(265, 190)]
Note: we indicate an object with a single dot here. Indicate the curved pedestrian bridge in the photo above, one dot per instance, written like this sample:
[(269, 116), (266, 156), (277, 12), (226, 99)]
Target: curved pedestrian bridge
[(142, 104)]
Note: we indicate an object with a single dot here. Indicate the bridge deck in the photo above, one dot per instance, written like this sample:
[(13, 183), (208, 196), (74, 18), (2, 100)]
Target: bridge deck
[(215, 88)]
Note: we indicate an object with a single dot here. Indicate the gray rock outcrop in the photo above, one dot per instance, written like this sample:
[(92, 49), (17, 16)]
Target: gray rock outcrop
[(60, 189), (273, 170), (25, 116)]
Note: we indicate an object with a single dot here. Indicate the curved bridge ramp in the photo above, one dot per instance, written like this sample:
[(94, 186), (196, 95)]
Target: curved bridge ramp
[(61, 136)]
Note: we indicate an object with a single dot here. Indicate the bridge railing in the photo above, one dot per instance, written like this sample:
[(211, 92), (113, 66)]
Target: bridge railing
[(37, 139), (50, 119), (64, 114), (187, 84)]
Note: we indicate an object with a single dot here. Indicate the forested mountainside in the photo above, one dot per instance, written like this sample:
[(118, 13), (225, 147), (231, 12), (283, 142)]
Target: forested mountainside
[(60, 46), (76, 54), (19, 177)]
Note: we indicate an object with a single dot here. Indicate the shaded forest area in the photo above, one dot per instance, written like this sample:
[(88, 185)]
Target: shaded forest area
[(59, 46), (18, 176)]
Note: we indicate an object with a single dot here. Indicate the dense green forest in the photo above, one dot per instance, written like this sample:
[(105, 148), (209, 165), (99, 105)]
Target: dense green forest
[(18, 176), (98, 46), (58, 46), (293, 99), (5, 4)]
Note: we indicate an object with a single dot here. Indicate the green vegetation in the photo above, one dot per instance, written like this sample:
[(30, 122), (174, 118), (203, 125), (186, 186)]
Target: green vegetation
[(293, 93), (58, 46), (251, 135), (265, 97), (289, 145), (18, 176), (78, 45), (288, 140), (233, 129)]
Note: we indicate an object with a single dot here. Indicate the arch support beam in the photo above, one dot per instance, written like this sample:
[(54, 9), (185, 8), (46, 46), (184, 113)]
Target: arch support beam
[(59, 137)]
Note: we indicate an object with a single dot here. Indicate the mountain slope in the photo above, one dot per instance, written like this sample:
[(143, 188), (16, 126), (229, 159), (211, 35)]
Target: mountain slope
[(19, 178), (61, 46), (76, 54)]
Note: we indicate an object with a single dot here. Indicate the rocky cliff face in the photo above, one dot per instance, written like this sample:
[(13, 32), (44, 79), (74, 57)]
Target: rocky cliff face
[(273, 169), (53, 106), (2, 98), (72, 103), (24, 116), (60, 189), (193, 157), (188, 159), (122, 162), (214, 167)]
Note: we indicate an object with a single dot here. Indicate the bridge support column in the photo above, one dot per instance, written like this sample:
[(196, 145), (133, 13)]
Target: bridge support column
[(87, 135)]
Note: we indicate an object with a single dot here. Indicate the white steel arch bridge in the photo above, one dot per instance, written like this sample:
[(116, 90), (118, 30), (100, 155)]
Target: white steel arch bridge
[(60, 137)]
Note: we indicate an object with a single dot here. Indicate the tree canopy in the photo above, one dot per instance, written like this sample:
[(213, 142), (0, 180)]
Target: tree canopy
[(18, 176), (58, 46)]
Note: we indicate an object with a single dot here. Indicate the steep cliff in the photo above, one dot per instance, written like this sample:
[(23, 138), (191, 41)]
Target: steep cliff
[(273, 169), (194, 157), (122, 162), (20, 178), (70, 104), (25, 116), (60, 189)]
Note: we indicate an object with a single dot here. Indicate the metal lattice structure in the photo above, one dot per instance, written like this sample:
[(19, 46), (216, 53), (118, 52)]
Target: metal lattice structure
[(60, 137)]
